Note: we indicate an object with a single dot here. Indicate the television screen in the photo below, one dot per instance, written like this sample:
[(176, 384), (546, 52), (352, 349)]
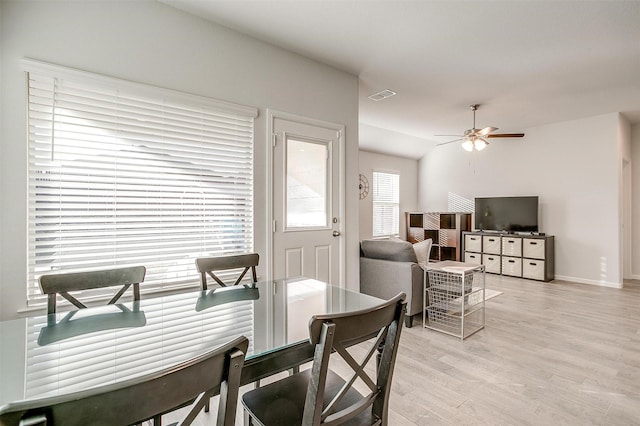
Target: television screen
[(510, 214)]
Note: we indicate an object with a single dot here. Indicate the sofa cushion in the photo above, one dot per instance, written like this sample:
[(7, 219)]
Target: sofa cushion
[(399, 251), (422, 250)]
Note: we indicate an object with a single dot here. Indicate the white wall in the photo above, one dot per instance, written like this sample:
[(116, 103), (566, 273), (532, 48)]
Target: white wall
[(408, 170), (574, 167), (635, 206), (149, 42)]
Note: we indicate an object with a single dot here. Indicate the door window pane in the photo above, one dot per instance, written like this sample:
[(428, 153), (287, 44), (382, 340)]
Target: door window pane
[(307, 184)]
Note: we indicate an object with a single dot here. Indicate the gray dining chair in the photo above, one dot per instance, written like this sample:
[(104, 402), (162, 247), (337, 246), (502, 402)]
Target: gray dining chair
[(63, 284), (318, 396), (144, 398), (209, 265)]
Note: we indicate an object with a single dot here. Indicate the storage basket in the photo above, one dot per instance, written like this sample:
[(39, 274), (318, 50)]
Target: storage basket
[(453, 324), (451, 282)]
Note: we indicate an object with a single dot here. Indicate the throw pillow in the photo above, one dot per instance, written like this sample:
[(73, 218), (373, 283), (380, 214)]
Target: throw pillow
[(422, 249)]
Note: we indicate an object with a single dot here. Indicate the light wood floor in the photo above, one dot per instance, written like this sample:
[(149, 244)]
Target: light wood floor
[(551, 354)]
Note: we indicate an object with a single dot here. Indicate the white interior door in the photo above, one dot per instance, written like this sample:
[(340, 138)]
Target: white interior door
[(307, 201)]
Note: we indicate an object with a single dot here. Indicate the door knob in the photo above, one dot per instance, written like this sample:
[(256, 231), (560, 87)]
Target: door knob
[(336, 233)]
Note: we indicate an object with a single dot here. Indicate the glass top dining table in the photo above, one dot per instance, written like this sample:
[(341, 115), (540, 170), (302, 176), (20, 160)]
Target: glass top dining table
[(49, 355)]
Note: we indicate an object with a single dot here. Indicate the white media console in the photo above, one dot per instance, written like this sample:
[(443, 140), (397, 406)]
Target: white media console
[(524, 256)]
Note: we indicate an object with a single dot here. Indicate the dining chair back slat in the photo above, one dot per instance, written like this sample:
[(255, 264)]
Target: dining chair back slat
[(136, 400), (62, 284), (209, 265)]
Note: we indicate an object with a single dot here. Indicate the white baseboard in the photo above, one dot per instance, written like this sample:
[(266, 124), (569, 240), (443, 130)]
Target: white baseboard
[(591, 282), (635, 277)]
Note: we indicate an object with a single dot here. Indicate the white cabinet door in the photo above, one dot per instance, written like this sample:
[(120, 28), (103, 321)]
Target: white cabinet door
[(492, 263), (473, 243), (491, 244), (474, 258), (511, 246), (533, 269), (512, 266), (533, 248)]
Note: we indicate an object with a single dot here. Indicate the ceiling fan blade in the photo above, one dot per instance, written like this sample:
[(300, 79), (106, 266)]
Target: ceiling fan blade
[(486, 131), (455, 140), (506, 135), (453, 136)]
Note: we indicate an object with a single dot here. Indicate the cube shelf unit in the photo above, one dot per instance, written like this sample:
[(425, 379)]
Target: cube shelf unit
[(445, 230), (523, 256)]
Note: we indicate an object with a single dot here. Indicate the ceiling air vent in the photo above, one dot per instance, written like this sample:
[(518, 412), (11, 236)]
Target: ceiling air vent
[(382, 95)]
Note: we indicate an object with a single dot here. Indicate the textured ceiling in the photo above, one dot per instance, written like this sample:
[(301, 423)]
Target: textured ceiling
[(526, 62)]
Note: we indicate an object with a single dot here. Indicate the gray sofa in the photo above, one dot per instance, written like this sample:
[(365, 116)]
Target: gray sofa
[(388, 267)]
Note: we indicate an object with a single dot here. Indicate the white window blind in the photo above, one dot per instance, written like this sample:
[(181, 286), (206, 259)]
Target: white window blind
[(386, 204), (127, 174)]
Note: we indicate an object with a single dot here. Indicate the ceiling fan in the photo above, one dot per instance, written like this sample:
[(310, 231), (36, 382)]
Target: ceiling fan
[(477, 138)]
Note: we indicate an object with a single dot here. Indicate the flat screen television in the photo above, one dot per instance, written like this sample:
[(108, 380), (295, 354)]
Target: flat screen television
[(506, 214)]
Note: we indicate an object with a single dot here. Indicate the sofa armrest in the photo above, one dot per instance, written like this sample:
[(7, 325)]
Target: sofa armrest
[(386, 278)]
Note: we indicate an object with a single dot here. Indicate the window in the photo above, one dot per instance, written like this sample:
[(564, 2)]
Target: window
[(127, 174), (386, 204), (307, 186)]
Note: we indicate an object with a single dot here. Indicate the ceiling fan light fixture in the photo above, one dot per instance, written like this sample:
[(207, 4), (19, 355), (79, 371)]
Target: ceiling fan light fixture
[(467, 145), (480, 144)]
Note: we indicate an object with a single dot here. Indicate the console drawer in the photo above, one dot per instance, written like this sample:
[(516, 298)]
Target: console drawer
[(533, 269), (512, 266), (511, 246), (533, 248), (491, 244), (492, 263), (473, 243), (474, 258)]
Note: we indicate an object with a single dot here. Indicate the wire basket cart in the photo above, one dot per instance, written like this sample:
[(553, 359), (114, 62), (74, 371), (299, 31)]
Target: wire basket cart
[(455, 298)]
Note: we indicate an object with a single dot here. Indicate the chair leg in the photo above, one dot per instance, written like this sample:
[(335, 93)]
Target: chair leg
[(407, 321), (207, 405)]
